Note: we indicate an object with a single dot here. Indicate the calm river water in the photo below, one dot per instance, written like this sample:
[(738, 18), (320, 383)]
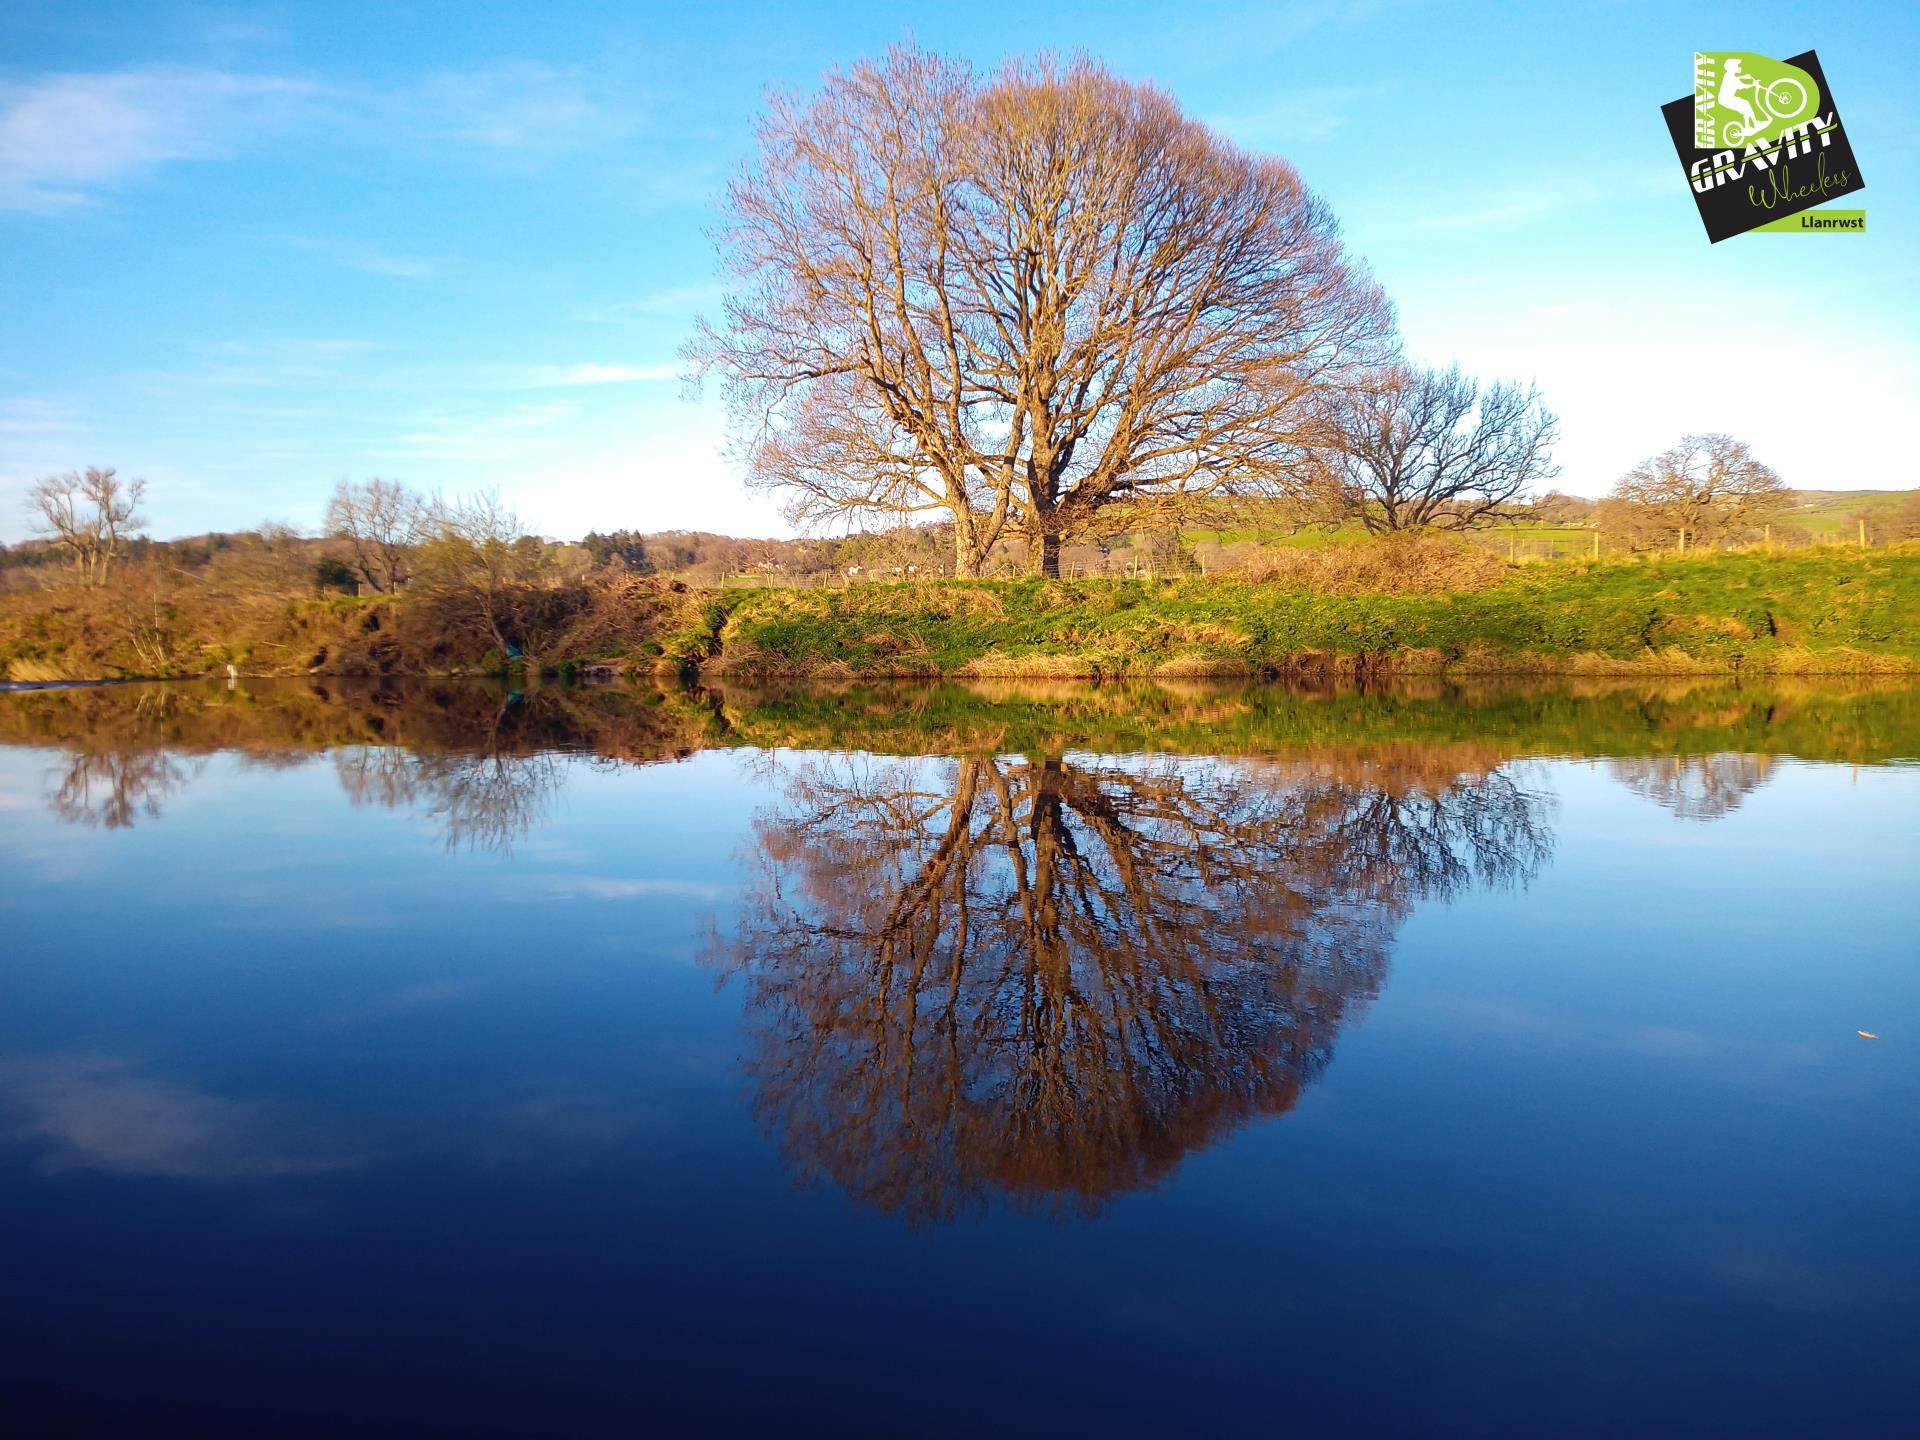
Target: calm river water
[(972, 1061)]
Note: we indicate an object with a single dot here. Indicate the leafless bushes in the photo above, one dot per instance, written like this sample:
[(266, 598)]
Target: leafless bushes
[(379, 522), (1399, 564), (90, 514)]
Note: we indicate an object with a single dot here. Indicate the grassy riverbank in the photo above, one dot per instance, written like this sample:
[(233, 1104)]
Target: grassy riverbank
[(1825, 611), (1818, 611)]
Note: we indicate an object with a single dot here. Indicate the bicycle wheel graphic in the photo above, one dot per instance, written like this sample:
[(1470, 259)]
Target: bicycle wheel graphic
[(1786, 98)]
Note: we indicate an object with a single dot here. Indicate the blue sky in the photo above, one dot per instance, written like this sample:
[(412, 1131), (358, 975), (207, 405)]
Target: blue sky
[(246, 251)]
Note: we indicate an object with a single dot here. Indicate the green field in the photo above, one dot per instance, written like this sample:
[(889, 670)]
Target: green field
[(1834, 512)]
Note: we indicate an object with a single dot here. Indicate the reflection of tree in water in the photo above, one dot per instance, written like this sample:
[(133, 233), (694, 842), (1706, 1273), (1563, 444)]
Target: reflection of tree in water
[(1696, 787), (479, 801), (486, 780), (484, 798), (1052, 979), (112, 787)]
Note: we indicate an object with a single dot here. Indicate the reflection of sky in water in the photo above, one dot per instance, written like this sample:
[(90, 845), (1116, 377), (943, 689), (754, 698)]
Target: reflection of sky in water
[(283, 1076)]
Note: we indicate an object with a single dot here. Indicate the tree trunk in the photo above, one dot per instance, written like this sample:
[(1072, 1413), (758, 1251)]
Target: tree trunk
[(966, 564), (1043, 556)]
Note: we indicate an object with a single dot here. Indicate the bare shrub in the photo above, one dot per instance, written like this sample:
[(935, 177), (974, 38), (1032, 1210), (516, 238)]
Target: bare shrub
[(1397, 564)]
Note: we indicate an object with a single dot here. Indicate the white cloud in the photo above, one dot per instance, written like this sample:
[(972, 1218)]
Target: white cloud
[(27, 415), (98, 1113), (597, 887), (1541, 198), (290, 362), (675, 301), (1297, 118), (590, 373), (525, 108), (477, 433), (370, 258), (64, 139)]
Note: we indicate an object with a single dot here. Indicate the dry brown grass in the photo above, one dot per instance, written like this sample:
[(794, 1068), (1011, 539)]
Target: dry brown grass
[(1396, 565)]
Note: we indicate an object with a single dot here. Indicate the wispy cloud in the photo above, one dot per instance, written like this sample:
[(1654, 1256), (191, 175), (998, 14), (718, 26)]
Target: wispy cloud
[(1299, 117), (407, 1000), (370, 258), (603, 887), (591, 373), (288, 362), (66, 139), (1512, 209), (99, 1113), (1546, 197), (476, 433), (526, 108), (674, 301), (1220, 35), (27, 415)]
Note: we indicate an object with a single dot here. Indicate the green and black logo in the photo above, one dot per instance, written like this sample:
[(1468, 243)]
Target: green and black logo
[(1761, 141)]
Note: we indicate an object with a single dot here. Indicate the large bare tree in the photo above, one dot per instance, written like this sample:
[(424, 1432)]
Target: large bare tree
[(1411, 448), (1706, 487), (1022, 299), (90, 514), (381, 521)]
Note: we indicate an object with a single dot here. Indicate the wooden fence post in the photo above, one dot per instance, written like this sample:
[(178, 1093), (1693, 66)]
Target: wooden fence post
[(1863, 534), (1596, 544)]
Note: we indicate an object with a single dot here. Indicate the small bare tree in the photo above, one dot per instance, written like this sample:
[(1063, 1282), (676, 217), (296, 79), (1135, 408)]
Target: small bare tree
[(1021, 300), (381, 522), (477, 574), (1704, 488), (90, 514), (1413, 448)]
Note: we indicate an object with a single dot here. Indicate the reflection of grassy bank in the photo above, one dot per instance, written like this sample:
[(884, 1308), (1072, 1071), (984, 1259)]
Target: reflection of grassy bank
[(1811, 612), (1859, 722), (433, 717), (1464, 727)]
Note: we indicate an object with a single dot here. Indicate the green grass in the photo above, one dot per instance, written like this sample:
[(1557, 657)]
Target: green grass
[(1830, 608), (1824, 609)]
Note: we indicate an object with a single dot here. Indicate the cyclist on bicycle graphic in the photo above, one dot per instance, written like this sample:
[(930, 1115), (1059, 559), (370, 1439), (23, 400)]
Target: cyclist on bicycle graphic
[(1757, 105), (1734, 79)]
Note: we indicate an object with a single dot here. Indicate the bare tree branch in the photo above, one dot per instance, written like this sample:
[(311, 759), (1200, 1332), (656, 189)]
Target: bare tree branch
[(1412, 448), (1020, 300), (1704, 488)]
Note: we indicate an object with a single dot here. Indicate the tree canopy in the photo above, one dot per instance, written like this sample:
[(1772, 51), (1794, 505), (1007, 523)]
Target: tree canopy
[(1412, 448), (1707, 487), (1021, 299)]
